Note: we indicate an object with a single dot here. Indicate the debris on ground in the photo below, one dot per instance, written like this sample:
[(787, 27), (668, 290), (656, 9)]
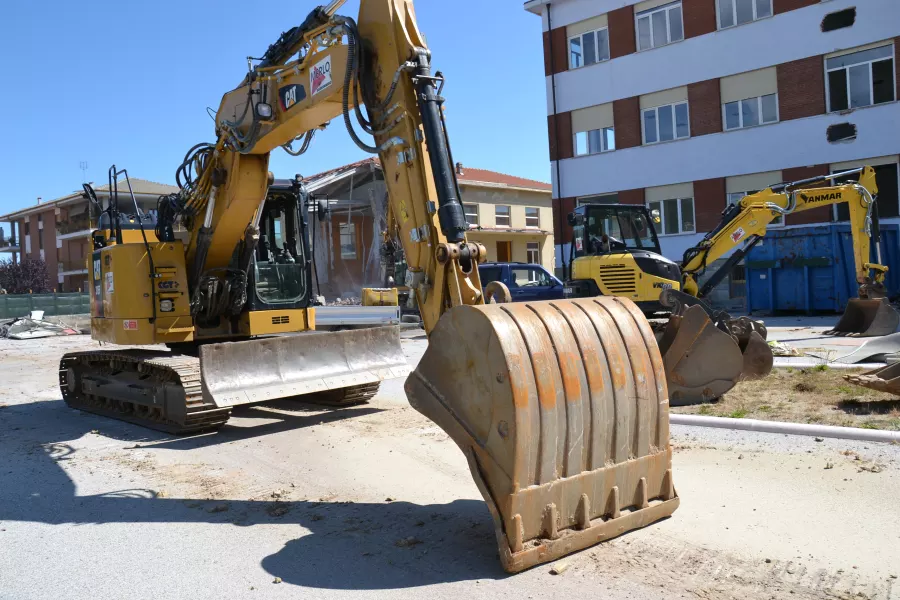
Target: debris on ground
[(278, 510), (781, 349), (559, 567), (32, 327), (348, 301), (276, 580), (408, 542)]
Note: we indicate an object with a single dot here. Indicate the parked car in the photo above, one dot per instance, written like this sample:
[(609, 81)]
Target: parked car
[(525, 281)]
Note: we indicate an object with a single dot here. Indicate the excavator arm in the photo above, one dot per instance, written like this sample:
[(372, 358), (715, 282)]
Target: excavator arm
[(560, 407), (745, 223)]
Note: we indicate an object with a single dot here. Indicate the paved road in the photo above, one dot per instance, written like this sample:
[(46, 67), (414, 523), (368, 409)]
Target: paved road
[(93, 509)]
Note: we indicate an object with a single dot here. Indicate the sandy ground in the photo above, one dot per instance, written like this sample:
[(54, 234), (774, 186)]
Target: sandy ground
[(376, 502)]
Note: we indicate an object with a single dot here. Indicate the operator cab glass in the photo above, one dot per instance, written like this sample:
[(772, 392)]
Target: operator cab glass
[(280, 267), (611, 229)]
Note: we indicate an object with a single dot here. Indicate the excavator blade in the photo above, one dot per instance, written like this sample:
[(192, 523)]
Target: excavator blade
[(758, 358), (279, 367), (702, 362), (561, 410), (867, 318), (883, 379)]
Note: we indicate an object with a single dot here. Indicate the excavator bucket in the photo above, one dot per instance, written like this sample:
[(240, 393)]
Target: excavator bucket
[(883, 379), (702, 362), (350, 363), (867, 318), (561, 409)]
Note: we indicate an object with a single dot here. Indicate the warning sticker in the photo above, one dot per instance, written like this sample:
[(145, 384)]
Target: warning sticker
[(320, 76), (737, 235), (130, 325), (109, 283)]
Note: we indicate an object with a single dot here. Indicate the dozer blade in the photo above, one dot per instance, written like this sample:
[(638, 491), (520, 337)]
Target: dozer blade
[(279, 367), (883, 379), (867, 318), (702, 362), (560, 407)]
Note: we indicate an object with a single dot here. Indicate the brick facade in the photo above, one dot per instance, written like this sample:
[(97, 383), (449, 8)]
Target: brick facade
[(627, 121), (705, 105), (709, 202), (562, 231), (632, 196), (557, 60), (559, 127), (782, 6), (816, 215), (801, 88), (699, 17), (621, 31)]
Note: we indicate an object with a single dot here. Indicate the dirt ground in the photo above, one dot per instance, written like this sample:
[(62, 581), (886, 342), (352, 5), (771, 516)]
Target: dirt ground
[(817, 395)]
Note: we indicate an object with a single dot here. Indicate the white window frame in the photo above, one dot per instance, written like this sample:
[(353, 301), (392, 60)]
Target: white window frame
[(536, 217), (892, 57), (507, 216), (649, 14), (661, 231), (741, 113), (580, 36), (674, 124), (735, 197), (348, 230), (604, 142), (466, 207), (756, 17), (533, 247)]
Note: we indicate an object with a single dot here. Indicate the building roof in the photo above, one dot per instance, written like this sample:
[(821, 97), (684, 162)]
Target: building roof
[(465, 176), (141, 187)]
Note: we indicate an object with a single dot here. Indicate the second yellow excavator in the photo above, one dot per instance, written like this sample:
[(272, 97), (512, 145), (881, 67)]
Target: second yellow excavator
[(560, 407), (706, 351)]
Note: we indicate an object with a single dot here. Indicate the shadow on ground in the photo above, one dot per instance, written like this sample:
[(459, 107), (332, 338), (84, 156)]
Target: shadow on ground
[(342, 545), (862, 407)]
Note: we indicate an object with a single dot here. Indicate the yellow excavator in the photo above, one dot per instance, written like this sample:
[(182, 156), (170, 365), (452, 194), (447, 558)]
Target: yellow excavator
[(560, 407), (706, 351)]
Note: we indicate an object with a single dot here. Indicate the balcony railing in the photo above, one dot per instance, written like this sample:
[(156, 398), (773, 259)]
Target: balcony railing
[(72, 265)]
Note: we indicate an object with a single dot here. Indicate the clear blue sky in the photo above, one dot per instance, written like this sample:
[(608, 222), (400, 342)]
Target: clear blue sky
[(129, 82)]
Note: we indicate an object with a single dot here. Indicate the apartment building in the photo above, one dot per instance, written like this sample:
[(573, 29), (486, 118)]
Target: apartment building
[(58, 231), (511, 216), (686, 106)]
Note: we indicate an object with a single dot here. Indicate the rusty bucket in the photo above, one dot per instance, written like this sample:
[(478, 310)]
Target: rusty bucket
[(867, 318), (702, 362), (561, 409)]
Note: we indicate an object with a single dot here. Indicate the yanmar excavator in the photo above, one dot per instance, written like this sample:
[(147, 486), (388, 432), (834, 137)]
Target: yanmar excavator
[(560, 407), (706, 351)]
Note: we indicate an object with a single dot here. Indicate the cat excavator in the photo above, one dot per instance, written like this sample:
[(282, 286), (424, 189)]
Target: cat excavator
[(707, 351), (560, 407)]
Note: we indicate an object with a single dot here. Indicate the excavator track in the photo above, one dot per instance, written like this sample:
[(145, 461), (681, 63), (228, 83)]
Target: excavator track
[(349, 396), (158, 390)]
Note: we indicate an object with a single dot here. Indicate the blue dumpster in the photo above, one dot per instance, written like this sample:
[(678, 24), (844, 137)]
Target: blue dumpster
[(811, 269)]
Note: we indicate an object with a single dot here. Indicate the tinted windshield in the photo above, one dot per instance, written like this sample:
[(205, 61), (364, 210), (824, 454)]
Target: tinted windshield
[(614, 229)]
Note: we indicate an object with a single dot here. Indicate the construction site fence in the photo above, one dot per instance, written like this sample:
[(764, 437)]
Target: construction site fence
[(20, 305)]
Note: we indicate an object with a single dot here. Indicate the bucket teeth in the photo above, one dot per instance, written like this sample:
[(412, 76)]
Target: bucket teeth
[(561, 409)]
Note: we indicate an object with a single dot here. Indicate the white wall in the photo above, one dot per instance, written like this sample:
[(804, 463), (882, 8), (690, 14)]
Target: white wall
[(795, 143), (789, 36)]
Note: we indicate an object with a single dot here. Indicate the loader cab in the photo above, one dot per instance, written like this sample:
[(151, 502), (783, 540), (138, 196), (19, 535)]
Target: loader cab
[(612, 229), (280, 273), (615, 252)]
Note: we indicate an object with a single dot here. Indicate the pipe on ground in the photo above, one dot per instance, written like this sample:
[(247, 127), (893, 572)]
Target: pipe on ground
[(830, 431)]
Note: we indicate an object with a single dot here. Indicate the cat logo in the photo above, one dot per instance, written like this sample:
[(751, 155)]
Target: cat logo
[(290, 95), (824, 197)]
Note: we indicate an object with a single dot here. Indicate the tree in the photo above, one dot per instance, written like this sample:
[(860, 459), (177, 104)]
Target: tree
[(28, 276)]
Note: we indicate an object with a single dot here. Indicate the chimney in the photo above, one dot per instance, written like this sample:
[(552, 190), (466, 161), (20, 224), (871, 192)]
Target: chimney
[(459, 169), (39, 199)]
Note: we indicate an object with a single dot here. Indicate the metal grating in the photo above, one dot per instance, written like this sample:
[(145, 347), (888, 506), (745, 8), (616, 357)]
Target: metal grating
[(281, 320), (618, 279)]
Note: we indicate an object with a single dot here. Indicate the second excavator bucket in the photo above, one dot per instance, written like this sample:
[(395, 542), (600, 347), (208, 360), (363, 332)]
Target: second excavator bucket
[(867, 318), (702, 362), (279, 367), (561, 410), (883, 379)]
